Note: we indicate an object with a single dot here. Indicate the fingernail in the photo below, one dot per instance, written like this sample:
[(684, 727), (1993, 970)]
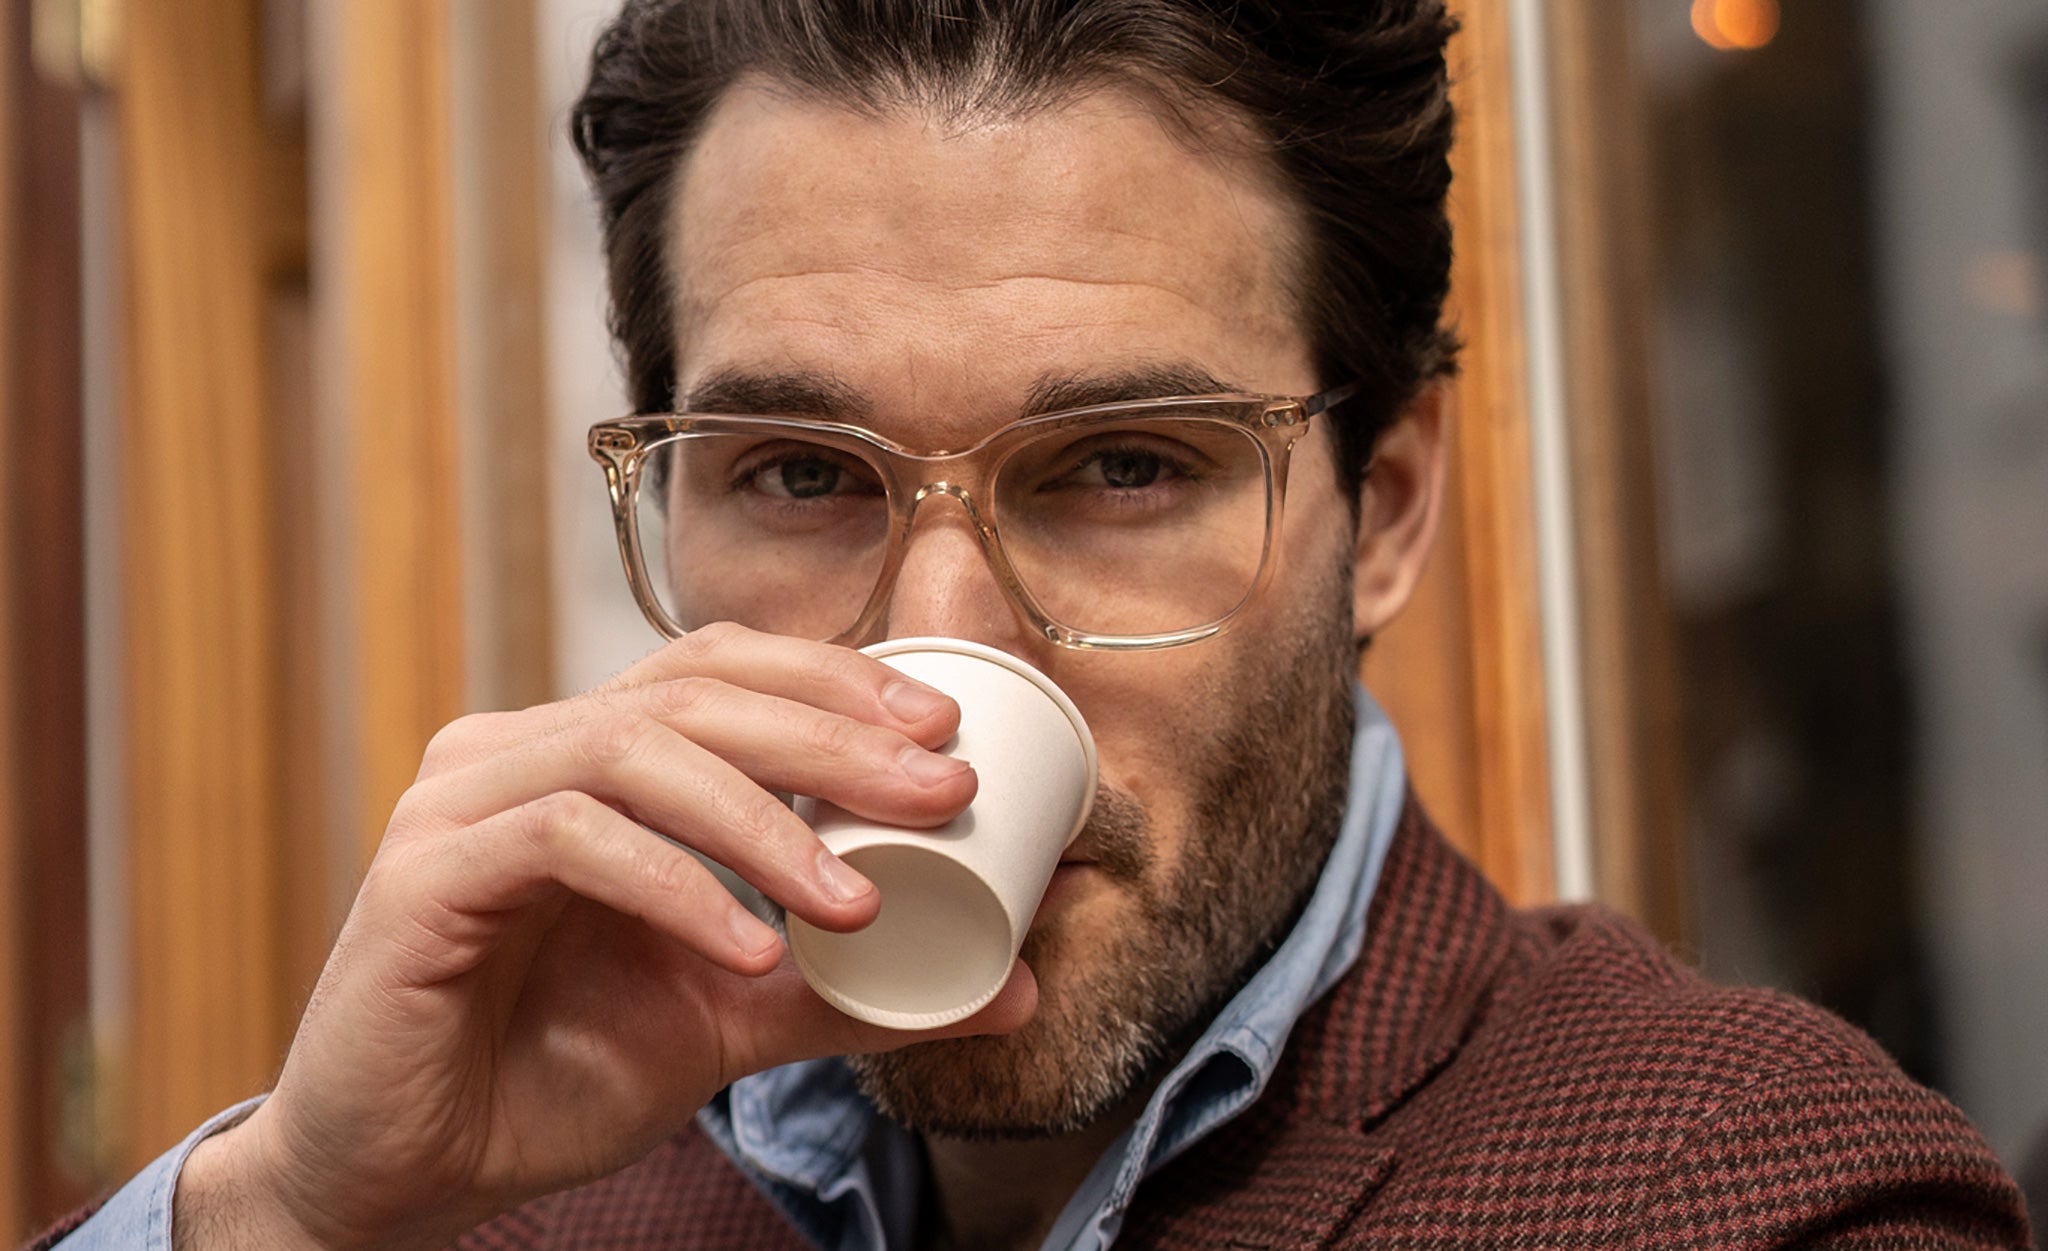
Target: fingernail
[(752, 936), (839, 879), (929, 768), (908, 701)]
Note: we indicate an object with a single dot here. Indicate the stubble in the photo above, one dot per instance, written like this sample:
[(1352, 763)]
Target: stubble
[(1269, 797)]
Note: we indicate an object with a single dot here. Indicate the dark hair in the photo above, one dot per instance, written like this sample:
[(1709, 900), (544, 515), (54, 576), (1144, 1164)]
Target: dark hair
[(1349, 99)]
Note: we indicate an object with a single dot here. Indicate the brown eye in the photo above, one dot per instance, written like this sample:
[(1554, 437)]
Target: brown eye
[(1124, 468), (805, 473), (800, 478), (1128, 471)]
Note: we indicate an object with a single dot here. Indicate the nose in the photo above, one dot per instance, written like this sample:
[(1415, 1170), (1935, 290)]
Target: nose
[(946, 587)]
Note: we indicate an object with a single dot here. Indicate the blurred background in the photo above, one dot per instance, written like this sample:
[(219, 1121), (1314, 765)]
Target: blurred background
[(1740, 623)]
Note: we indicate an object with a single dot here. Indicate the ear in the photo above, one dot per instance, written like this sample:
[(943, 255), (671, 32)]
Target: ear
[(1399, 503)]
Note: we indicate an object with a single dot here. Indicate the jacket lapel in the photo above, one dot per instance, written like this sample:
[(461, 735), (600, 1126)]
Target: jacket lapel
[(1298, 1165), (1296, 1188), (1435, 940)]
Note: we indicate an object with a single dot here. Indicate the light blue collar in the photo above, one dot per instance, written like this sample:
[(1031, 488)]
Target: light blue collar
[(850, 1180)]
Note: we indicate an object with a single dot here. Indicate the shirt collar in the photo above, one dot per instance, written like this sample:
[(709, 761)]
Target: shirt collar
[(849, 1179)]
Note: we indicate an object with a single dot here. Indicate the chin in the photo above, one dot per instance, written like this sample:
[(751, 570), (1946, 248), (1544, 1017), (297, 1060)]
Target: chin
[(1082, 1054)]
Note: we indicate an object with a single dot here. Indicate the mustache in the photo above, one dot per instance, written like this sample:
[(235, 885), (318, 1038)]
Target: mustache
[(1118, 834)]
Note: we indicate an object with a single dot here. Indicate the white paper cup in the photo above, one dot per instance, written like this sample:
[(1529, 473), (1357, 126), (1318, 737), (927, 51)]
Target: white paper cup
[(957, 899)]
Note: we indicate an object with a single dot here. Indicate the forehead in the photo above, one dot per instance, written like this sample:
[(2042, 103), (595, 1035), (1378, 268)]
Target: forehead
[(942, 273)]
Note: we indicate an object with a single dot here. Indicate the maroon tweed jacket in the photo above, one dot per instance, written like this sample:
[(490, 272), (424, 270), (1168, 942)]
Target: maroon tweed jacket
[(1484, 1078)]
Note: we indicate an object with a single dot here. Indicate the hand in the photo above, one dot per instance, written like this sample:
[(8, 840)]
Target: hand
[(532, 990)]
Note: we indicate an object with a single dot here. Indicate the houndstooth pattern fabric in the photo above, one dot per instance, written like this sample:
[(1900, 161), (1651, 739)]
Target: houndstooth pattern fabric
[(1483, 1078), (1554, 1079)]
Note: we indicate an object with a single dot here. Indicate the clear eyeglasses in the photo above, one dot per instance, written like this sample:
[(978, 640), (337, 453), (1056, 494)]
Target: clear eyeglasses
[(1131, 525)]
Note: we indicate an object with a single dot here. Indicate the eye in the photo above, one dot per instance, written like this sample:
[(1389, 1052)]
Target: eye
[(1122, 467), (802, 479), (805, 474), (1124, 470)]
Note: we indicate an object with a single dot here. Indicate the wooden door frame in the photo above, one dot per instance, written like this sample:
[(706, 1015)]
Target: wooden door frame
[(201, 624), (233, 888), (1461, 671), (1627, 631), (384, 280), (44, 1008)]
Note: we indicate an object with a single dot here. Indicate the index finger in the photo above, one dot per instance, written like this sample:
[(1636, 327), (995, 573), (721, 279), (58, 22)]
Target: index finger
[(823, 675)]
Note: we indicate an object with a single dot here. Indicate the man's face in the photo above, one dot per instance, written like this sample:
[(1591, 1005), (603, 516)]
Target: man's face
[(938, 275)]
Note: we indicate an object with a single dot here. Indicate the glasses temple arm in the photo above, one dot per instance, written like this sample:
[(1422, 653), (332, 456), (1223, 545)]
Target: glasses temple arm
[(1327, 400)]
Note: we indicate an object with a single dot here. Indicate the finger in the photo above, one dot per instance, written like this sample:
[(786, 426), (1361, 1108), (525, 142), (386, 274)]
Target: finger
[(679, 788), (783, 744), (790, 746), (821, 675), (568, 840)]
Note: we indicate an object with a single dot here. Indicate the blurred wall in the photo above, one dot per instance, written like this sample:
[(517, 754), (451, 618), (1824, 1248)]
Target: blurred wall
[(598, 628), (1851, 349), (1959, 145)]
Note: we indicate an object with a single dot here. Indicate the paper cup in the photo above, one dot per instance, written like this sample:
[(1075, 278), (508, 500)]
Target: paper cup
[(957, 899)]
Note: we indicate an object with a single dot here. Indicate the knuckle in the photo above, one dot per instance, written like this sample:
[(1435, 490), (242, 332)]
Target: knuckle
[(834, 666), (681, 697), (554, 817), (412, 814), (463, 740), (666, 872), (829, 736), (708, 640), (614, 739), (734, 809), (427, 810), (761, 818), (448, 745)]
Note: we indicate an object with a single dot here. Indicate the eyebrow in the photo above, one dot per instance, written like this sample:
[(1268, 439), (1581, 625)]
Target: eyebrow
[(807, 393), (794, 393), (1058, 393)]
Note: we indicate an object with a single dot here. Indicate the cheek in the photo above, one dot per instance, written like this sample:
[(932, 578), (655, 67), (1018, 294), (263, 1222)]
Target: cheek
[(1155, 718), (1159, 718)]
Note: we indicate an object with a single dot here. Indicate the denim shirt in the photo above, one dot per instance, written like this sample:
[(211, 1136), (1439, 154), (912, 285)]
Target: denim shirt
[(851, 1181), (138, 1216)]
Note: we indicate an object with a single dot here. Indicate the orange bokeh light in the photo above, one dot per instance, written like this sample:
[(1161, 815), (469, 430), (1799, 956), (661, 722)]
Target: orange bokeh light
[(1735, 25)]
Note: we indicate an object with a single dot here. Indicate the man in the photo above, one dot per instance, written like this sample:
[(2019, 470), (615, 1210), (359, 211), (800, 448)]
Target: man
[(1263, 1004)]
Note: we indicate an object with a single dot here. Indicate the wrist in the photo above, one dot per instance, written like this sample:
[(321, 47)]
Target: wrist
[(223, 1202), (231, 1195), (238, 1189)]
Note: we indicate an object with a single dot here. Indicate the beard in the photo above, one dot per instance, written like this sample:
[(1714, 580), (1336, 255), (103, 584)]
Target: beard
[(1268, 798)]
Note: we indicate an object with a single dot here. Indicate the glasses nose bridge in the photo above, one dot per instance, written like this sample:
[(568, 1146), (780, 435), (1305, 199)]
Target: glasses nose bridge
[(955, 477), (959, 493), (954, 474)]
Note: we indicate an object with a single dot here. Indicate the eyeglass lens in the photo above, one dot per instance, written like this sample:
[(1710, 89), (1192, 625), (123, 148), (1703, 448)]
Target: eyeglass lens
[(1119, 528)]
